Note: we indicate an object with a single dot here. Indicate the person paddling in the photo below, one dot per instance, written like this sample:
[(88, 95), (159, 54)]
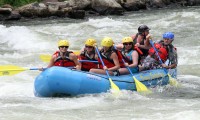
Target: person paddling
[(130, 55), (109, 57), (168, 38), (63, 57), (89, 53)]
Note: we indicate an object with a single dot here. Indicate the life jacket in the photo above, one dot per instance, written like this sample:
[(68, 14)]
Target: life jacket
[(144, 51), (171, 50), (127, 56), (106, 59), (86, 66), (162, 52), (121, 63), (64, 62)]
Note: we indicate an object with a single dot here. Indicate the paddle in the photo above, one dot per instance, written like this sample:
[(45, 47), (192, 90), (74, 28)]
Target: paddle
[(140, 87), (112, 84), (46, 58), (12, 70), (172, 81)]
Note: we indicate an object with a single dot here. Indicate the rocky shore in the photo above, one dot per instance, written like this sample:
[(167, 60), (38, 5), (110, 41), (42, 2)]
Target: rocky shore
[(79, 9)]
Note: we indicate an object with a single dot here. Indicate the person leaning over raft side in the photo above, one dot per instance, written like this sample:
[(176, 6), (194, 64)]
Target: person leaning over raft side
[(130, 56), (89, 53), (63, 57), (168, 38), (141, 40), (109, 58)]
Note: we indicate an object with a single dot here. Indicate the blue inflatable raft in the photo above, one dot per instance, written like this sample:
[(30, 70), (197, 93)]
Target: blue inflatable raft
[(60, 81)]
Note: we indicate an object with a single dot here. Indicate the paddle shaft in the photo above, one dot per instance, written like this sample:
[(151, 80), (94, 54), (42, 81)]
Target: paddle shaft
[(88, 61), (140, 87), (120, 55), (161, 62), (102, 61)]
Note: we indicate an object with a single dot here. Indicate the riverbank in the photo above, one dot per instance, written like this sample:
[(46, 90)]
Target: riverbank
[(79, 9)]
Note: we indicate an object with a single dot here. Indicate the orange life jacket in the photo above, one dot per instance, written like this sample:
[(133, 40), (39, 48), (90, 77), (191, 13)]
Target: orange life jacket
[(64, 62), (106, 59), (162, 52), (86, 66)]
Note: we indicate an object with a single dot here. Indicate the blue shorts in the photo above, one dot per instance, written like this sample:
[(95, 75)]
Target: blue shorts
[(134, 69)]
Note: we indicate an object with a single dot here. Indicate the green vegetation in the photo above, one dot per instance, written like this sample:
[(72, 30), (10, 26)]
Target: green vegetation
[(17, 3)]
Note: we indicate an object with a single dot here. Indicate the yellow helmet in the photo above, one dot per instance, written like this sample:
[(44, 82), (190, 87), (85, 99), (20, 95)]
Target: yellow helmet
[(127, 39), (63, 43), (90, 42), (107, 42)]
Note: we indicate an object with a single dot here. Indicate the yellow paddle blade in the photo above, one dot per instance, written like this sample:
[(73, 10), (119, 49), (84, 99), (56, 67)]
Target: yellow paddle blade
[(113, 85), (10, 70), (76, 52), (140, 86), (172, 81), (46, 57)]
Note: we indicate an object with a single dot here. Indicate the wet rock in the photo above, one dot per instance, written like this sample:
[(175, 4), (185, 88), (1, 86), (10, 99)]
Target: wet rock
[(193, 2), (34, 10), (14, 16), (82, 4), (105, 7), (60, 5), (5, 11), (7, 6), (77, 14), (158, 3), (134, 5)]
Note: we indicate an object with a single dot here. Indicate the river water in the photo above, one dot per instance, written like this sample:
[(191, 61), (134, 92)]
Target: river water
[(21, 43)]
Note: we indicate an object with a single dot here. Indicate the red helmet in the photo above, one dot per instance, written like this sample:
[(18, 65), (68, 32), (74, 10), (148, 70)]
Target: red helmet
[(162, 52)]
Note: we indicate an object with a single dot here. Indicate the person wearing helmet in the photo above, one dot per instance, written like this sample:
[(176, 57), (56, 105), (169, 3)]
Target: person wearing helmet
[(130, 55), (63, 57), (141, 40), (109, 57), (168, 38), (88, 53)]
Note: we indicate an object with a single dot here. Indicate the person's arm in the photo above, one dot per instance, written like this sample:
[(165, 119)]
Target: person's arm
[(170, 66), (116, 62), (51, 63), (135, 57), (74, 58), (174, 61), (79, 57), (147, 41)]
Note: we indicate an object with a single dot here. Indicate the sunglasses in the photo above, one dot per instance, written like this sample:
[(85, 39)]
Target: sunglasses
[(167, 39), (129, 43), (89, 46), (64, 46)]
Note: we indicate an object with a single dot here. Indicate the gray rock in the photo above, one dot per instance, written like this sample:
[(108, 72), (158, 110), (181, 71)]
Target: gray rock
[(104, 7)]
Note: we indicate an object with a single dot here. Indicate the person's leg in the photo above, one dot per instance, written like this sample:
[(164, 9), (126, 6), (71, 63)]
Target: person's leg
[(123, 71)]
